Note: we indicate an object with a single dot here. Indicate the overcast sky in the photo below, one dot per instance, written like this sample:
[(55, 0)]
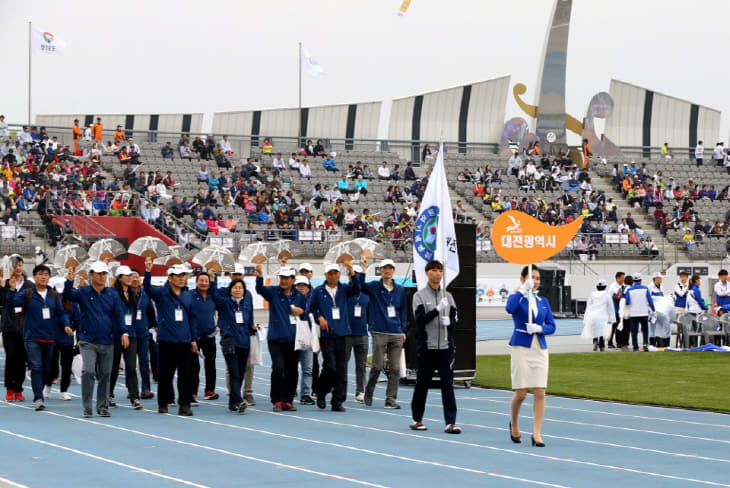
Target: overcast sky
[(190, 56)]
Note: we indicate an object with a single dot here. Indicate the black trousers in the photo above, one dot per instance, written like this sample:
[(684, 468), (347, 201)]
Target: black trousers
[(207, 345), (15, 360), (130, 368), (236, 363), (430, 360), (284, 371), (174, 356), (64, 353), (333, 377), (637, 322)]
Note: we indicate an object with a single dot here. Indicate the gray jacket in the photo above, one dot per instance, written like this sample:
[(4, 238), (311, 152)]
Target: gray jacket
[(433, 335)]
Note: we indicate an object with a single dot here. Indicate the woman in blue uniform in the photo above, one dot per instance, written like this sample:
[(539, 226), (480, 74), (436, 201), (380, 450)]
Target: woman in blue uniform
[(529, 355)]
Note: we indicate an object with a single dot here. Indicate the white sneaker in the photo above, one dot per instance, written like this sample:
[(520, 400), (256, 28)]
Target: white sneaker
[(65, 396), (360, 397), (46, 392)]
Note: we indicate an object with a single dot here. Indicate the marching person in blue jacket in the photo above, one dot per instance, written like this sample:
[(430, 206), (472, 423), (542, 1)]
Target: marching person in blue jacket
[(63, 348), (102, 320), (722, 292), (235, 319), (387, 324), (175, 337), (358, 308), (638, 297), (129, 298), (328, 306), (529, 355), (144, 318), (285, 305), (203, 323), (43, 317)]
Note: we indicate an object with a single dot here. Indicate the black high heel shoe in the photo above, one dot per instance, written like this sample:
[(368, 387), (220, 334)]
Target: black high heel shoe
[(535, 443), (516, 440)]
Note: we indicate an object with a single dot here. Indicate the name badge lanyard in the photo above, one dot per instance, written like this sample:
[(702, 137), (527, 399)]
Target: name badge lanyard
[(238, 314), (289, 299), (357, 311), (391, 307), (179, 317), (335, 308)]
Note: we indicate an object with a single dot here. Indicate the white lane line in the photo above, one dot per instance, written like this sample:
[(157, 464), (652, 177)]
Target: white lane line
[(571, 422), (100, 458), (617, 414), (189, 444), (6, 482)]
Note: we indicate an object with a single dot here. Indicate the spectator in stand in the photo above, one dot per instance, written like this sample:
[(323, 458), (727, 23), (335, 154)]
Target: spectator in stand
[(719, 154), (133, 151), (409, 174), (361, 185), (267, 147), (97, 132), (329, 163), (200, 225), (384, 171), (665, 151), (119, 136), (226, 146), (167, 151), (426, 156), (699, 153), (3, 128), (514, 164), (319, 149), (304, 170), (186, 153)]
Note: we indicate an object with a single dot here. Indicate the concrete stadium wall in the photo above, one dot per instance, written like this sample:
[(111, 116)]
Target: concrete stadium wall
[(192, 123)]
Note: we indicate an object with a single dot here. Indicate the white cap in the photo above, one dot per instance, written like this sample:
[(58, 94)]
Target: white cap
[(287, 271), (657, 275), (177, 269), (306, 267), (98, 267), (357, 268), (601, 283), (301, 280), (331, 267), (37, 249), (123, 271), (387, 262), (637, 276), (238, 268)]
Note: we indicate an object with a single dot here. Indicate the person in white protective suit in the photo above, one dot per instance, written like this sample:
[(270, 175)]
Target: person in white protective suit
[(663, 318), (600, 315)]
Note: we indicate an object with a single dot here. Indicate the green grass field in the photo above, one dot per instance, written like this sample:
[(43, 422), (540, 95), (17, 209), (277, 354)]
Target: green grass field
[(678, 379)]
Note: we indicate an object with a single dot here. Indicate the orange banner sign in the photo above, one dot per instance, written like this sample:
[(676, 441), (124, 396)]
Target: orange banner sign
[(521, 239)]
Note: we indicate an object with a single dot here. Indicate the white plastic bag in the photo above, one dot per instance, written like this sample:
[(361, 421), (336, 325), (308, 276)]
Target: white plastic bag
[(315, 335), (77, 365), (403, 363), (255, 350), (303, 338)]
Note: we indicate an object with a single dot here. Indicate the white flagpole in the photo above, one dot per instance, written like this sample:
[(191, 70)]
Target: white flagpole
[(529, 295), (299, 114), (30, 51)]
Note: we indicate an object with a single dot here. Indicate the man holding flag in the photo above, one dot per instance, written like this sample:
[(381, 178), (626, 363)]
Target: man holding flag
[(436, 262)]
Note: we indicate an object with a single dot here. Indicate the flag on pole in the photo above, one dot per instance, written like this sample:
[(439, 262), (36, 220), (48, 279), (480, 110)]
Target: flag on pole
[(435, 235), (404, 7), (310, 65), (46, 43)]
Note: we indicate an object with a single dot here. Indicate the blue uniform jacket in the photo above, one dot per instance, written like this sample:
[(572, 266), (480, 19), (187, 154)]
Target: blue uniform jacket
[(227, 308), (144, 316), (517, 306), (380, 299), (280, 327), (35, 327), (321, 305), (202, 314), (102, 318), (168, 329), (358, 325)]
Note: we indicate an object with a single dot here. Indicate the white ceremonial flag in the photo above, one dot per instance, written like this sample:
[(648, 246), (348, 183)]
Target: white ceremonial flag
[(435, 236), (310, 65), (46, 43)]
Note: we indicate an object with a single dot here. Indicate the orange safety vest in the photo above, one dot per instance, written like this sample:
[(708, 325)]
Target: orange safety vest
[(97, 130), (119, 136)]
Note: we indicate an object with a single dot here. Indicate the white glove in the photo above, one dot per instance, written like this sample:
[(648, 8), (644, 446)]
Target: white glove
[(443, 304), (534, 329), (527, 286), (445, 321)]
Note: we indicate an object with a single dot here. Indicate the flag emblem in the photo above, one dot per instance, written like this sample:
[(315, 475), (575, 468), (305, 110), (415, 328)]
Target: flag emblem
[(48, 37), (426, 232)]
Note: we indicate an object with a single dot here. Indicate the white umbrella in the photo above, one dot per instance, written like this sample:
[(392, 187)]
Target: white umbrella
[(105, 249), (70, 256), (256, 253), (342, 252), (215, 258), (286, 249), (178, 255), (149, 247)]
